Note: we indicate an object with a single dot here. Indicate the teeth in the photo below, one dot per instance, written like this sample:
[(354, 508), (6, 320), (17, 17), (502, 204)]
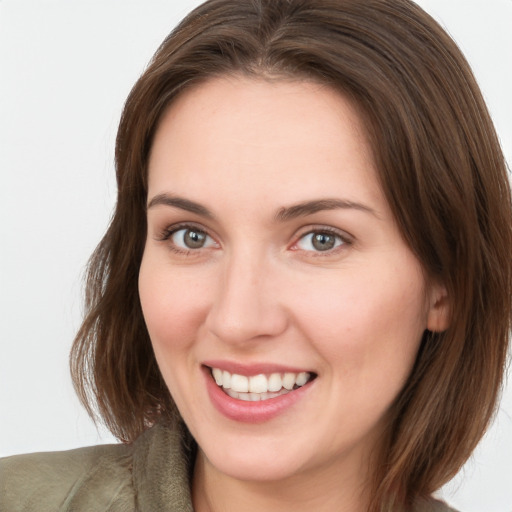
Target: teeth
[(275, 382), (289, 380), (258, 387), (226, 380), (302, 378), (254, 397), (258, 384), (217, 375), (239, 383)]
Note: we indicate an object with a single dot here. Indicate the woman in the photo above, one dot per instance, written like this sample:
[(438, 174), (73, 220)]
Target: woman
[(308, 264)]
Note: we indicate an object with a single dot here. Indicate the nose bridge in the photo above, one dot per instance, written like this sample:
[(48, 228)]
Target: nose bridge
[(246, 303)]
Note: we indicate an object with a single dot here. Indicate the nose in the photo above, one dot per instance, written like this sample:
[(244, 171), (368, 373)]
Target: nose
[(246, 305)]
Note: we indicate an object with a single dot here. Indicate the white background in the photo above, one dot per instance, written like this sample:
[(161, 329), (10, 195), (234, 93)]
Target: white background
[(66, 68)]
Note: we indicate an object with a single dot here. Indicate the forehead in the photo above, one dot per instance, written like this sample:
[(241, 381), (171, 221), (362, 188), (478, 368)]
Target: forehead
[(288, 138), (251, 106)]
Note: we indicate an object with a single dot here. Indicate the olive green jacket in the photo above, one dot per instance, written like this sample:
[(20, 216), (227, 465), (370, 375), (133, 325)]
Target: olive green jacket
[(150, 475)]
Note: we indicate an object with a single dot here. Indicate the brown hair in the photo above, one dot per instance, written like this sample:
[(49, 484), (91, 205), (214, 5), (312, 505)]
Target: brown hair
[(441, 169)]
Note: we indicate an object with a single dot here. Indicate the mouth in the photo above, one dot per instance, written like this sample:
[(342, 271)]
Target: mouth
[(260, 387)]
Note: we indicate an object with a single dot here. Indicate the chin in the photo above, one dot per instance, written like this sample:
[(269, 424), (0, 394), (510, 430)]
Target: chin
[(254, 461)]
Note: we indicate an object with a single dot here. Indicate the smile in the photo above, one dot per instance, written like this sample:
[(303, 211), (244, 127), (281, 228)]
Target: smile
[(259, 387)]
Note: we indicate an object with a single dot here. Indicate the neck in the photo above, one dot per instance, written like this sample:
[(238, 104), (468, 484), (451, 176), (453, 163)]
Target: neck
[(322, 490)]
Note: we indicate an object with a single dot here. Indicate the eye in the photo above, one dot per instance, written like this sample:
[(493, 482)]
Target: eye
[(189, 238), (320, 241)]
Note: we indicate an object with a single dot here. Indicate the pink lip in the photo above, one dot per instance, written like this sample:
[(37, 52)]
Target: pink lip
[(252, 412), (252, 369)]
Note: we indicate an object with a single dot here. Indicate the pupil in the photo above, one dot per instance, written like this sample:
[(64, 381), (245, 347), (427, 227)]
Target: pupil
[(194, 239), (323, 241)]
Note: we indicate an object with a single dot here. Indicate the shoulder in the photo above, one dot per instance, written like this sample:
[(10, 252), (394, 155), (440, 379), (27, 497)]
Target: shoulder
[(63, 480), (150, 474)]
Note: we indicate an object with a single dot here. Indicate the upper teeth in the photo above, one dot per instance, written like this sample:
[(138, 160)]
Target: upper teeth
[(259, 383)]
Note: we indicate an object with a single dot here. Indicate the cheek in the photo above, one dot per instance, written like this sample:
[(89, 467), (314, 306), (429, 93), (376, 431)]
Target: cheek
[(172, 304), (366, 323), (173, 307)]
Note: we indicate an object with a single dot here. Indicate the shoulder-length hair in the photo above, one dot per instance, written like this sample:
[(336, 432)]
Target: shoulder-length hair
[(441, 169)]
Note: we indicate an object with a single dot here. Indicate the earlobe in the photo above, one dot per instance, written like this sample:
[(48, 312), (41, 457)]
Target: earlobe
[(438, 319)]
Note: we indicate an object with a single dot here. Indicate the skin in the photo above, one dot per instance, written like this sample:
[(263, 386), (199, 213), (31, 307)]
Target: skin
[(258, 291)]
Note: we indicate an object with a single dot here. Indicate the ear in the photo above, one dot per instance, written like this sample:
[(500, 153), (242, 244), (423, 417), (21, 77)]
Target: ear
[(438, 319)]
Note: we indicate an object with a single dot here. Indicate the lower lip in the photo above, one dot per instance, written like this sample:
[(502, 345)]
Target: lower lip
[(251, 412)]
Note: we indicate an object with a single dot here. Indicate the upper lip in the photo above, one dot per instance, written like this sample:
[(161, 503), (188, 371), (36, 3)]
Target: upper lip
[(253, 368)]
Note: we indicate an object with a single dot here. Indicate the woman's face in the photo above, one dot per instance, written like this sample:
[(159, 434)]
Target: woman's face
[(273, 261)]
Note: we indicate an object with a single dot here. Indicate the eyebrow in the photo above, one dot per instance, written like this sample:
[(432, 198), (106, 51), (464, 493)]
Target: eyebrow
[(310, 207), (284, 214), (181, 203)]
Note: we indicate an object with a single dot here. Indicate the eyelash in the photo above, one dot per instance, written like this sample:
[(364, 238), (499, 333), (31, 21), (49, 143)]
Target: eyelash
[(344, 238), (168, 232)]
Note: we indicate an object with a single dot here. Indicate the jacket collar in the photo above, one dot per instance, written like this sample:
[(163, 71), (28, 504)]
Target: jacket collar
[(162, 467)]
